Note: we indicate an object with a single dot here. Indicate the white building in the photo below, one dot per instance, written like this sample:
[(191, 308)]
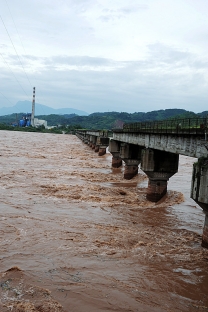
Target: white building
[(40, 122)]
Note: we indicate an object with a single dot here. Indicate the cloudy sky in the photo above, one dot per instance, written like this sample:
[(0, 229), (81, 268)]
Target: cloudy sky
[(105, 55)]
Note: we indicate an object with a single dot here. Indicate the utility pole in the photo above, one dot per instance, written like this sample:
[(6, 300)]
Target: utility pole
[(33, 109)]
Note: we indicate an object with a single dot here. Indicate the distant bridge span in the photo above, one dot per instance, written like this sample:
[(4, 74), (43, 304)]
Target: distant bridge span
[(156, 146)]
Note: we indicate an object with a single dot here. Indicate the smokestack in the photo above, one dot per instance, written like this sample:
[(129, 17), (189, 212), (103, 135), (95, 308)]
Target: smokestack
[(33, 109)]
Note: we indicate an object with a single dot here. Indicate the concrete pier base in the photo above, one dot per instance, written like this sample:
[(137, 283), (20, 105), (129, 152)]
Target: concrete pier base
[(199, 192), (103, 143), (156, 189), (114, 149), (116, 162), (159, 166), (205, 231), (130, 171), (131, 155), (93, 140), (101, 151)]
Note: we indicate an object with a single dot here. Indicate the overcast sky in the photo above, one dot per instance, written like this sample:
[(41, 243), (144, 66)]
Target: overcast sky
[(105, 55)]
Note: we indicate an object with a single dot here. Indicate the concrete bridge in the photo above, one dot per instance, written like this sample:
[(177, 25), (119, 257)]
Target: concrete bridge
[(156, 147)]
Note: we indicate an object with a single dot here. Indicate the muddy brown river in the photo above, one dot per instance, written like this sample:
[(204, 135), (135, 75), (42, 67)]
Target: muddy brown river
[(76, 236)]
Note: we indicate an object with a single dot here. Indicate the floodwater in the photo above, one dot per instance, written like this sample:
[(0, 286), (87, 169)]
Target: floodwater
[(75, 236)]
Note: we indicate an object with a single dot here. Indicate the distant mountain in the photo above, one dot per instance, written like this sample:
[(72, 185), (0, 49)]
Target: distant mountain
[(26, 107)]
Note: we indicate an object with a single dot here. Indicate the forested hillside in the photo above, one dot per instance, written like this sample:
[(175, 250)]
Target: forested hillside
[(107, 120)]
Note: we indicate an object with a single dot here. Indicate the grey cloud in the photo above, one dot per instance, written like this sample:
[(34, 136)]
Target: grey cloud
[(109, 14), (79, 61), (199, 64), (14, 60), (174, 58), (133, 9), (119, 87), (166, 53), (31, 58), (81, 6), (3, 46), (106, 18), (155, 83)]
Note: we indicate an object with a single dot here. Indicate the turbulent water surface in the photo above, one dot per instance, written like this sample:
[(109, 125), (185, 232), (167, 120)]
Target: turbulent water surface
[(75, 236)]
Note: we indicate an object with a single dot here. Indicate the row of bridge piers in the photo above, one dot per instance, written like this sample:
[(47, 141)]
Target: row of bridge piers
[(158, 165)]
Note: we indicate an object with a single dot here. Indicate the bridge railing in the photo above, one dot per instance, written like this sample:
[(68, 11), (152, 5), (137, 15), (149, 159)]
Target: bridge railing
[(175, 126), (101, 133)]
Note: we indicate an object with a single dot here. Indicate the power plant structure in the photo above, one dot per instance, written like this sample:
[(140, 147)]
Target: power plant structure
[(25, 121), (33, 109), (28, 119)]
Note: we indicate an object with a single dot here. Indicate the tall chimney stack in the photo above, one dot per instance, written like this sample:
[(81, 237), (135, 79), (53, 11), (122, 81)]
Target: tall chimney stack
[(33, 109)]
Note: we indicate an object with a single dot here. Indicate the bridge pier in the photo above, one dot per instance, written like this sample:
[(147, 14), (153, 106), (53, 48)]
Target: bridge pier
[(205, 231), (114, 149), (96, 148), (116, 160), (92, 141), (102, 150), (199, 192), (103, 143), (131, 168), (159, 166), (131, 155), (86, 139)]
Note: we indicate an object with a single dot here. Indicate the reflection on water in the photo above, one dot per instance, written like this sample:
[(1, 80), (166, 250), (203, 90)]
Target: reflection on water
[(80, 238)]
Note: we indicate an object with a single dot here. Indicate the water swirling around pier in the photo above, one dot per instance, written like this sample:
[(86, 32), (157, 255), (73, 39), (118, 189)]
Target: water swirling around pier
[(76, 237)]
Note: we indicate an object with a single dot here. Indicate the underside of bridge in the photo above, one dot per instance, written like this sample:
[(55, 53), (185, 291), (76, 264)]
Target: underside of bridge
[(159, 165)]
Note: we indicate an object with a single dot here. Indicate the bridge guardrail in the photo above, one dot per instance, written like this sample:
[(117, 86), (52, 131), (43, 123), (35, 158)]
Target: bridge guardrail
[(175, 126)]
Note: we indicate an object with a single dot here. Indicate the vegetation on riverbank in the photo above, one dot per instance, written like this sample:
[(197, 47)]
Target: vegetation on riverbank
[(107, 120), (58, 130)]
